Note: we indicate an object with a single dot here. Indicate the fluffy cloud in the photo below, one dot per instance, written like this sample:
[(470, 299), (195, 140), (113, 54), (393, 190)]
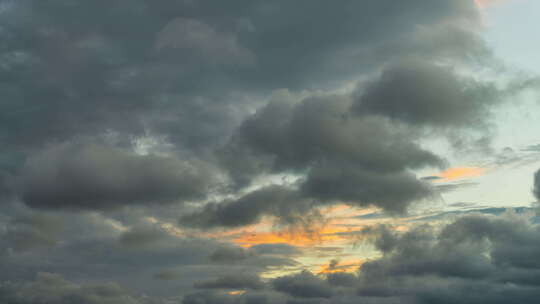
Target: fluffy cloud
[(420, 93), (274, 200), (120, 117), (189, 73), (475, 258), (54, 289), (471, 259), (92, 176), (304, 285), (146, 65)]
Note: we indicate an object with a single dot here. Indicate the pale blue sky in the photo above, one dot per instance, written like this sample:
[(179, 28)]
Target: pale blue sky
[(511, 29)]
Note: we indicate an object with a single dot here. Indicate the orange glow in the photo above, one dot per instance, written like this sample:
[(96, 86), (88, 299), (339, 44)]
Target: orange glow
[(335, 232), (461, 173), (300, 237), (236, 292), (336, 267), (335, 228), (332, 228)]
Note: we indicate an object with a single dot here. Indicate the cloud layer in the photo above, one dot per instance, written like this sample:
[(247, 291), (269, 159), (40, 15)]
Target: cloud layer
[(141, 140)]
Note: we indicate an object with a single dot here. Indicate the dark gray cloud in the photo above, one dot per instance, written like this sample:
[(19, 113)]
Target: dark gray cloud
[(211, 297), (422, 93), (237, 281), (361, 160), (167, 275), (30, 231), (298, 135), (54, 289), (342, 279), (156, 263), (208, 298), (142, 236), (229, 254), (190, 72), (273, 200), (468, 260), (303, 285), (357, 150), (95, 93), (479, 253), (145, 255), (66, 74), (93, 176), (393, 192)]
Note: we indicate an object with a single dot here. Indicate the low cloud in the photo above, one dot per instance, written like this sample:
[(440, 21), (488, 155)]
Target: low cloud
[(95, 177), (53, 288), (237, 281)]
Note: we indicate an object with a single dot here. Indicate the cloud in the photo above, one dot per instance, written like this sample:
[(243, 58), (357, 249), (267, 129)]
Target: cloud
[(119, 118), (248, 209), (472, 258), (298, 135), (199, 39), (141, 237), (189, 73), (486, 253), (454, 186), (167, 275), (393, 192), (143, 255), (209, 297), (237, 281), (167, 67), (53, 288), (304, 285), (360, 160), (532, 148), (422, 93), (342, 279), (536, 185), (25, 232), (93, 176), (228, 254), (284, 249)]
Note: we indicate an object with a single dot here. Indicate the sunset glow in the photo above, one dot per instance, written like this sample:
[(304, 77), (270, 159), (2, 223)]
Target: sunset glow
[(461, 173)]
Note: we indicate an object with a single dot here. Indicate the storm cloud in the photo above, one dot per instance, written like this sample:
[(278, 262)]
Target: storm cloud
[(91, 176), (53, 288), (189, 74), (248, 209), (143, 141), (419, 93)]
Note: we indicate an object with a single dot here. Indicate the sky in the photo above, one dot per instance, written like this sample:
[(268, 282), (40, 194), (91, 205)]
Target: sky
[(269, 152)]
